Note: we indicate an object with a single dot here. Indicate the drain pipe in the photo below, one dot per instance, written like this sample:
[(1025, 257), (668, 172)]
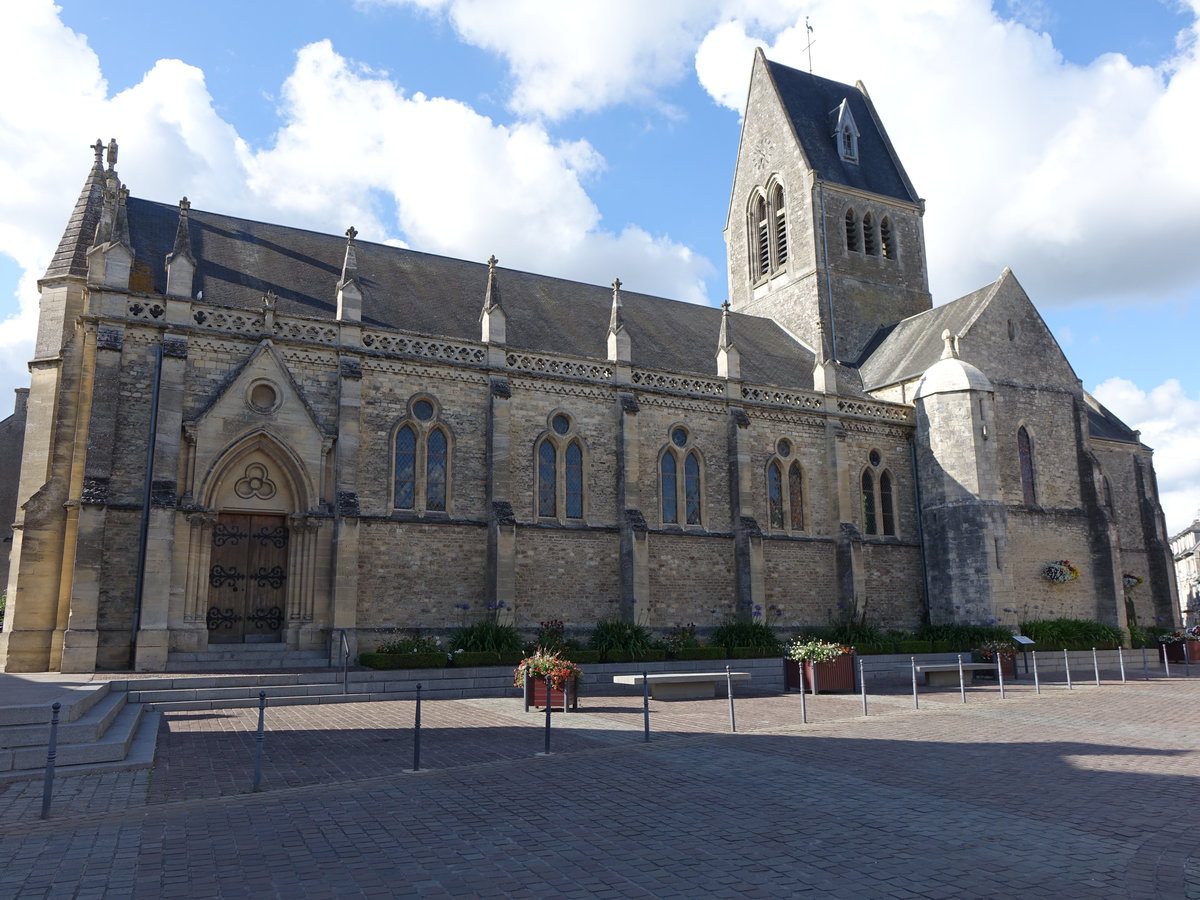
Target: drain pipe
[(147, 489)]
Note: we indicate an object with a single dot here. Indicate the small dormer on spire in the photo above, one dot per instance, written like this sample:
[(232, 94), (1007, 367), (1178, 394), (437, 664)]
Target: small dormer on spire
[(492, 319), (729, 360), (845, 132), (181, 264), (349, 293), (620, 348)]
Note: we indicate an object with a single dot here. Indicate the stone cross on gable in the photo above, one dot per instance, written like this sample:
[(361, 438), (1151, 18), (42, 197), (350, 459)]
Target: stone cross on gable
[(351, 234), (616, 286), (98, 149), (184, 205), (492, 261)]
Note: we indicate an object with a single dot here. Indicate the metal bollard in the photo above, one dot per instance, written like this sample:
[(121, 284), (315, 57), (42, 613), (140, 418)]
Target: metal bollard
[(862, 684), (646, 703), (1096, 667), (729, 691), (1166, 662), (1000, 673), (815, 689), (1145, 665), (1037, 685), (1187, 661), (258, 740), (51, 755), (1067, 666), (1121, 660), (549, 705), (417, 732), (916, 702), (962, 683), (803, 702)]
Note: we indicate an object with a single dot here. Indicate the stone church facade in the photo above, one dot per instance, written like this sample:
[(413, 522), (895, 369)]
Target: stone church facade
[(241, 433)]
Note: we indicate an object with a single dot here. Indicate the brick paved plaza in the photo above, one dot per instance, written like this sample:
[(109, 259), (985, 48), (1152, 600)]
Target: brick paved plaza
[(1086, 793)]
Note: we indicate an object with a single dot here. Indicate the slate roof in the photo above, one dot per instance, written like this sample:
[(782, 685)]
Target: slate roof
[(71, 256), (809, 101), (239, 260), (914, 344), (1105, 426)]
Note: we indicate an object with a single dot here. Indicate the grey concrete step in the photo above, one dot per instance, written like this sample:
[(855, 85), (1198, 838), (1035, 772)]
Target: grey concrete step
[(91, 726), (241, 657), (76, 701), (139, 754), (111, 746)]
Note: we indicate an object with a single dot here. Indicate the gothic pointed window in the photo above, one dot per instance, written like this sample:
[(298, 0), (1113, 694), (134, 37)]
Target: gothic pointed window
[(561, 464), (886, 239), (869, 245), (681, 480), (669, 489), (775, 495), (870, 521), (421, 460), (886, 511), (779, 213), (1025, 452), (760, 230), (852, 244), (796, 497)]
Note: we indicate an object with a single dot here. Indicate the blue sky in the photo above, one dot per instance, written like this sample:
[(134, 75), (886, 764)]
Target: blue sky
[(595, 139)]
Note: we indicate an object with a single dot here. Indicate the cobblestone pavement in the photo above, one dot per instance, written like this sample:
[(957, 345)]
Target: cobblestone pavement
[(1084, 793)]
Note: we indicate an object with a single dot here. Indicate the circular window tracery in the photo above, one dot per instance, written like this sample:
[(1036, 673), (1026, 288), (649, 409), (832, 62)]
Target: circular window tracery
[(263, 397), (560, 423), (679, 436), (875, 458), (423, 410), (784, 448)]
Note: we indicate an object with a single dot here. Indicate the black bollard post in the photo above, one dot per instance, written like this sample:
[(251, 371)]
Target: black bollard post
[(417, 733), (729, 691), (1145, 665), (549, 695), (258, 740), (646, 703), (1187, 661), (862, 684), (51, 755)]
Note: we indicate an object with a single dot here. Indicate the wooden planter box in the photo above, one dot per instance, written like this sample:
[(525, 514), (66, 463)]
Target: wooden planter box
[(838, 675), (535, 694), (1175, 652)]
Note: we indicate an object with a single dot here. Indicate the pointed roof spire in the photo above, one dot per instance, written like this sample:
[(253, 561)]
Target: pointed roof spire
[(183, 238), (350, 262), (616, 321), (491, 295), (71, 256), (726, 340), (950, 351)]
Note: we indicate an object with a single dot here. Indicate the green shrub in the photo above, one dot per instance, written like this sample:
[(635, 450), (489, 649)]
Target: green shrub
[(486, 636), (402, 660), (615, 656), (678, 638), (655, 654), (700, 653), (963, 637), (913, 647), (582, 657), (1072, 634), (872, 649), (476, 658), (511, 657), (614, 636), (755, 635), (551, 634)]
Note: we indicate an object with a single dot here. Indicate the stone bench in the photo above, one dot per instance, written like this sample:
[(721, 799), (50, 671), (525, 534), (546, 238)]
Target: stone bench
[(683, 685), (946, 674)]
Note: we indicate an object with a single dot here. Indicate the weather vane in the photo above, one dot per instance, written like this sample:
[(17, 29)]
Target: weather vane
[(811, 41)]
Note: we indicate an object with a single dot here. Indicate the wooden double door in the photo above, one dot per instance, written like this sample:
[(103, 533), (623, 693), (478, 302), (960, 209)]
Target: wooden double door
[(247, 579)]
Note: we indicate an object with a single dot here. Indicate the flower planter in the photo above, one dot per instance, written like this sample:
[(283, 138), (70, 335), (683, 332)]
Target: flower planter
[(1175, 652), (535, 694), (1008, 666), (836, 675)]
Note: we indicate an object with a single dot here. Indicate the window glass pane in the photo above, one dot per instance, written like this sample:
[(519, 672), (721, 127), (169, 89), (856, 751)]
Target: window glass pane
[(561, 424), (574, 481), (670, 512), (885, 503), (868, 503), (775, 495), (796, 496), (547, 494), (435, 471), (679, 437), (423, 410), (406, 467), (691, 475)]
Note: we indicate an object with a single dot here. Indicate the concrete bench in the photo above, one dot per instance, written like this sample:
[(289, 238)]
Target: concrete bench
[(682, 685), (943, 674)]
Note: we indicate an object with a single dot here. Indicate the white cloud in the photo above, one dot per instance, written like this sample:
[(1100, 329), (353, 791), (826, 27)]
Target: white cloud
[(1169, 421), (1054, 169)]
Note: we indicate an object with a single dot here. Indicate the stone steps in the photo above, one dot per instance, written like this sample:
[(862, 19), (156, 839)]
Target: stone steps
[(90, 726), (75, 704), (245, 657)]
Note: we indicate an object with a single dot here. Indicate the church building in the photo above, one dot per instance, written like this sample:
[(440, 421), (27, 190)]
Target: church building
[(240, 434)]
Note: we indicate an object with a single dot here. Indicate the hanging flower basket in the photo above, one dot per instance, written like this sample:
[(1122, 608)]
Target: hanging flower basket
[(1060, 572)]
